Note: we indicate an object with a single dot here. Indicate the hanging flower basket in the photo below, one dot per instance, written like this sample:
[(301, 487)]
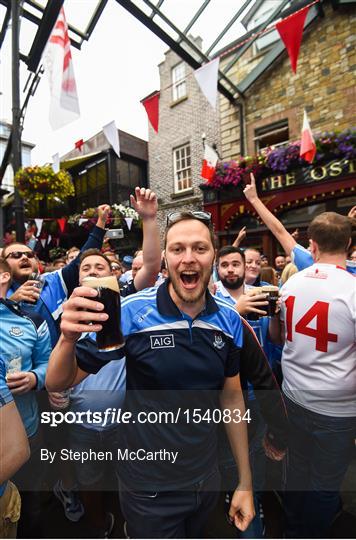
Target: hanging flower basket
[(38, 183)]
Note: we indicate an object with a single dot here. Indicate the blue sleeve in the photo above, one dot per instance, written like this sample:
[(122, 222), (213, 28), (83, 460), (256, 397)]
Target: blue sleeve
[(40, 354), (301, 257), (5, 394), (232, 366), (70, 273)]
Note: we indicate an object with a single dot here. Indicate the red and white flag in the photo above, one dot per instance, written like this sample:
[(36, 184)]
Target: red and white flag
[(307, 144), (209, 163), (64, 106)]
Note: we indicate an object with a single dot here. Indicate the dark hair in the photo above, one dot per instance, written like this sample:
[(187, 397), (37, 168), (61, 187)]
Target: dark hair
[(4, 266), (331, 231), (93, 251), (227, 250), (185, 216)]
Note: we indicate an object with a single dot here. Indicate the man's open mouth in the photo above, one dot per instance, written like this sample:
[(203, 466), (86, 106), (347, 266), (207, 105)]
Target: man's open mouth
[(26, 264), (189, 279)]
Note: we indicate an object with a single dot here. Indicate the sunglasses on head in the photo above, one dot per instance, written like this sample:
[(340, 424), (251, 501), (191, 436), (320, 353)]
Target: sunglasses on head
[(18, 254), (173, 217)]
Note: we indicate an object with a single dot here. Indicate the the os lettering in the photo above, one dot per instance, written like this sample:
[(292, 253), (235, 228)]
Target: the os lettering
[(319, 310)]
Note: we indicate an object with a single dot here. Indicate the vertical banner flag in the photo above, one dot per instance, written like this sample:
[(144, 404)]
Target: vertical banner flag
[(291, 31), (207, 78), (151, 104), (307, 144), (129, 221), (55, 164), (39, 223), (64, 106), (209, 163), (112, 134)]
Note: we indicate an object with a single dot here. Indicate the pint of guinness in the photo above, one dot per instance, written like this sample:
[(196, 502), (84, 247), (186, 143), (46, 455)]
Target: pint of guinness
[(110, 337)]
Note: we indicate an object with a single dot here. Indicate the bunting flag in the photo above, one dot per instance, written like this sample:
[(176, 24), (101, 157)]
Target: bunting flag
[(207, 78), (112, 135), (79, 145), (291, 31), (129, 221), (61, 224), (307, 145), (39, 223), (43, 242), (49, 238), (81, 221), (55, 164), (209, 163), (151, 104), (64, 106)]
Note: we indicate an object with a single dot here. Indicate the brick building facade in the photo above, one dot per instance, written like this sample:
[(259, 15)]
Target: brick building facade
[(184, 115)]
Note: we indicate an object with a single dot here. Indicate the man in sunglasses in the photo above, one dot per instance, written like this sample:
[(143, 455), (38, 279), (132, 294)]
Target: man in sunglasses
[(57, 285), (183, 351)]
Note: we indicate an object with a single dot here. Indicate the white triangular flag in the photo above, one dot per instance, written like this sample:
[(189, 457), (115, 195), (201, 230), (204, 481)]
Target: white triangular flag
[(129, 221), (43, 242), (81, 221), (112, 135), (39, 223), (55, 164), (25, 225), (207, 78), (49, 238)]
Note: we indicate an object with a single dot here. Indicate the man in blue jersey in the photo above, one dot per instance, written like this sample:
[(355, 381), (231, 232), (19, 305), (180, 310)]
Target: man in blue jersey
[(301, 257), (182, 359), (26, 334), (57, 285)]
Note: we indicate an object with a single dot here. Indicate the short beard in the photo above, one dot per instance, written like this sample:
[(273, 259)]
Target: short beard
[(233, 285)]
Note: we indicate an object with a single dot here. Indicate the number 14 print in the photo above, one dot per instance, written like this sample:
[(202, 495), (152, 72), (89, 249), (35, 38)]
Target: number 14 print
[(319, 310)]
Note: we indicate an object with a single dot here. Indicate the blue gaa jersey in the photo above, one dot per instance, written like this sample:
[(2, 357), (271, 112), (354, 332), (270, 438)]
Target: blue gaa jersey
[(176, 367), (302, 259)]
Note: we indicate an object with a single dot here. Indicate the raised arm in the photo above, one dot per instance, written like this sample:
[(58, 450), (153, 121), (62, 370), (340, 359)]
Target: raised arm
[(70, 273), (146, 206), (240, 237), (272, 223)]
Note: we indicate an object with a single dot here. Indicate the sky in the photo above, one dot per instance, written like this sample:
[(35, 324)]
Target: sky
[(114, 70)]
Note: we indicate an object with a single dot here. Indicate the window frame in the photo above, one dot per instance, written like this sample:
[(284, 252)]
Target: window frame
[(263, 132), (177, 170), (179, 83)]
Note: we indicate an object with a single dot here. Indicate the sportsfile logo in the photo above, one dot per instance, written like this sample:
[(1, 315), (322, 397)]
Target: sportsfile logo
[(164, 341)]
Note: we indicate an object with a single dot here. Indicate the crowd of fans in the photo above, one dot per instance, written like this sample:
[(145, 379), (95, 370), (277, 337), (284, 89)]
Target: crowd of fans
[(201, 334)]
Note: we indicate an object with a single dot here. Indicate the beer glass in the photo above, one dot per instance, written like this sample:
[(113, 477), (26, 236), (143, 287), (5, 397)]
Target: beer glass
[(273, 293), (110, 337)]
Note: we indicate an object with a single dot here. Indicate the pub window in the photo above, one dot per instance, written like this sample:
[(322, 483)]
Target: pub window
[(182, 168), (270, 35), (275, 134), (179, 83)]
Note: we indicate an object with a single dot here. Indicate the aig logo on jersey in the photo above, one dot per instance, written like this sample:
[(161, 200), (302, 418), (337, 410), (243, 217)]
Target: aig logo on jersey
[(164, 341)]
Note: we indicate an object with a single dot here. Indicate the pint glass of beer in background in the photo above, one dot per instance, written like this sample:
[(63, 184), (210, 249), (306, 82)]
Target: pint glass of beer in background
[(273, 293), (110, 337)]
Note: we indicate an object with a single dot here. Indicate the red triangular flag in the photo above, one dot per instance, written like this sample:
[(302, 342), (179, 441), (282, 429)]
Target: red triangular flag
[(209, 163), (61, 223), (79, 145), (151, 104), (307, 145), (291, 31)]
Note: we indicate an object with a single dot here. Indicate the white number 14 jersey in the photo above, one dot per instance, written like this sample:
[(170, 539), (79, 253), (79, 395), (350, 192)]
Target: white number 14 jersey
[(319, 355)]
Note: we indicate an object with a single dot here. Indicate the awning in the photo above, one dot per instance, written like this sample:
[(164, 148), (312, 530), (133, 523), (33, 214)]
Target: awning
[(70, 163)]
